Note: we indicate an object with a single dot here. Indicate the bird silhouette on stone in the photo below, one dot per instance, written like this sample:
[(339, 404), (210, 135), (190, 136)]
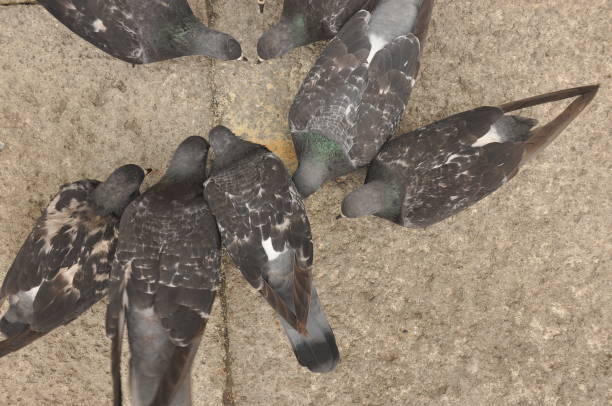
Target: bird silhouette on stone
[(265, 229), (355, 95), (63, 267), (163, 281), (427, 175)]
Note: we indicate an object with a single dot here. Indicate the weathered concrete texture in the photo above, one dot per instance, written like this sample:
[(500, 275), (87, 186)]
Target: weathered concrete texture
[(69, 111), (508, 303)]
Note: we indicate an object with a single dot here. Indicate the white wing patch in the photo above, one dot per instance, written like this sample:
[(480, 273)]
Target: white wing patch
[(377, 43), (98, 25), (271, 253), (492, 136)]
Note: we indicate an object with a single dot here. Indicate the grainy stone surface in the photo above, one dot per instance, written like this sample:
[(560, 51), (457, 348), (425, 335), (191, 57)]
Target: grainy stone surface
[(508, 303)]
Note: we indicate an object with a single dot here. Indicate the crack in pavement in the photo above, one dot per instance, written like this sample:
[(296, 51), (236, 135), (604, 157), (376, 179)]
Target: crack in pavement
[(228, 387), (8, 3)]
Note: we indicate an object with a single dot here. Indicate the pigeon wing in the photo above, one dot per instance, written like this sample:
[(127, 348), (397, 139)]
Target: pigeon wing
[(329, 97), (66, 258), (391, 76), (169, 264), (456, 175), (259, 209)]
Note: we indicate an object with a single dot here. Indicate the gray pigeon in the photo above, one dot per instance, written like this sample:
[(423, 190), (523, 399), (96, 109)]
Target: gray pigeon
[(434, 172), (306, 21), (355, 95), (143, 31), (163, 281), (265, 229), (62, 268)]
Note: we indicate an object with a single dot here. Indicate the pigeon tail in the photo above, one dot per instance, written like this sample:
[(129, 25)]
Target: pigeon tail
[(318, 351), (544, 135), (116, 369), (175, 386), (15, 342), (159, 370)]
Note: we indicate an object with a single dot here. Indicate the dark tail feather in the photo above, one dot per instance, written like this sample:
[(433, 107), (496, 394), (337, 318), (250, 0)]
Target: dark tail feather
[(542, 136), (587, 92), (317, 351), (422, 21), (116, 369), (24, 337), (176, 381)]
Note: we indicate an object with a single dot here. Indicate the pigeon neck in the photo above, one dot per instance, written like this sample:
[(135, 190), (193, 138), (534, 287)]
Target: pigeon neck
[(184, 171), (283, 37), (191, 37), (111, 199), (309, 176), (319, 148), (374, 198)]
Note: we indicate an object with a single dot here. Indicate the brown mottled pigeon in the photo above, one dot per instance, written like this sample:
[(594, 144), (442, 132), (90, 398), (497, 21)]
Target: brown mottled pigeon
[(63, 267)]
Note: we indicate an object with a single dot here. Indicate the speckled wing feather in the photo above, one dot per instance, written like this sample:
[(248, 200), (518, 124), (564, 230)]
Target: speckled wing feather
[(446, 173), (323, 19), (255, 203), (329, 98), (350, 101), (64, 264), (335, 13), (391, 77), (166, 266)]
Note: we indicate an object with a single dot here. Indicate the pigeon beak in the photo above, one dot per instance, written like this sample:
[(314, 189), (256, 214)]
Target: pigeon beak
[(148, 171), (340, 216), (243, 58), (261, 4), (259, 60)]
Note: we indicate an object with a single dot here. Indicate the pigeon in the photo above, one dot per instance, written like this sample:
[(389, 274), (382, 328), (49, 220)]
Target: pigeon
[(264, 227), (143, 31), (63, 267), (355, 95), (306, 21), (434, 172), (163, 281)]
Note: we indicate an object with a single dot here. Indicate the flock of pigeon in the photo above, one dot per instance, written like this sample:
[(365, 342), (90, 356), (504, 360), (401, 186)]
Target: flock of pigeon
[(158, 254)]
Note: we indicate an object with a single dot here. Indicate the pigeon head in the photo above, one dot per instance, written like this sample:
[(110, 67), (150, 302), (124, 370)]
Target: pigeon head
[(321, 159), (228, 147), (122, 186), (188, 161), (280, 39), (376, 197), (310, 176), (218, 45)]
